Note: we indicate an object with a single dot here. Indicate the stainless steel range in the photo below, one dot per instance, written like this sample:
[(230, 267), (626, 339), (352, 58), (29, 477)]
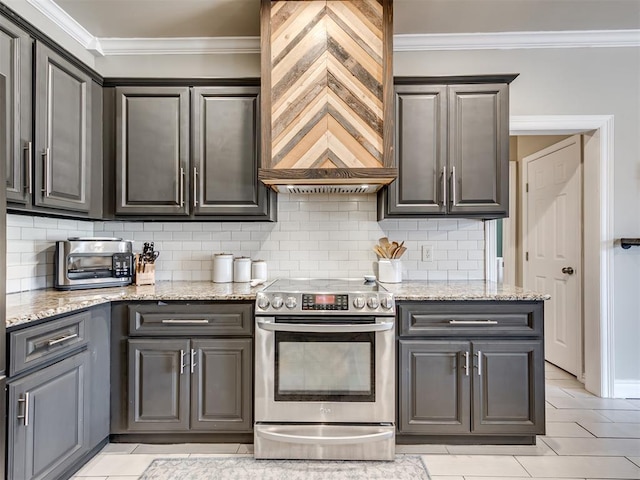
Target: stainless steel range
[(325, 371)]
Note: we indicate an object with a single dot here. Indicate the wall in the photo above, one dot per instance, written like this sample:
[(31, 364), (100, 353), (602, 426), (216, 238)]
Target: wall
[(30, 248), (315, 236)]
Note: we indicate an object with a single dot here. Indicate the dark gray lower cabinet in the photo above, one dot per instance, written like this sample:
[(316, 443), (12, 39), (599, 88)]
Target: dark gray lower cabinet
[(158, 385), (434, 392), (177, 385), (471, 368), (485, 388), (221, 388), (58, 394), (48, 430)]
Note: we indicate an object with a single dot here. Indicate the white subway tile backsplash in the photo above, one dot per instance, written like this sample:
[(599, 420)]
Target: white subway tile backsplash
[(315, 236)]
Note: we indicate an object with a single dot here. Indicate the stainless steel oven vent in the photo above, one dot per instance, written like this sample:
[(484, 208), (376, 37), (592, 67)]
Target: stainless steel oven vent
[(328, 188)]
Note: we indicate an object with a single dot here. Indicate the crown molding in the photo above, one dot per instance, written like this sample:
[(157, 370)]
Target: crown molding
[(517, 40), (180, 46), (401, 42), (70, 26)]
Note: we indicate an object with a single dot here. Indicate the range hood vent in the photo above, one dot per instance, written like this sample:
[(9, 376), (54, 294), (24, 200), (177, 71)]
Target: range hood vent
[(327, 94), (354, 189)]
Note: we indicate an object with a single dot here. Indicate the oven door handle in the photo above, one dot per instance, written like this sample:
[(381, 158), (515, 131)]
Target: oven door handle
[(379, 326), (322, 440)]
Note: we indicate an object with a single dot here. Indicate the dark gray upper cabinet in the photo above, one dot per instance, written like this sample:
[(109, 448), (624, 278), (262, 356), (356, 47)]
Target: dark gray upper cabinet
[(152, 150), (63, 146), (421, 151), (16, 63), (226, 146), (479, 149), (190, 152), (47, 427), (452, 148)]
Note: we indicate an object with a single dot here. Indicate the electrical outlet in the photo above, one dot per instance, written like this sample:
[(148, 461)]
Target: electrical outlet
[(427, 252)]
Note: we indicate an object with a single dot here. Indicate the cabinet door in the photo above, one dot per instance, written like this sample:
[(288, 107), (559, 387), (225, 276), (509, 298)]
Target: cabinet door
[(226, 146), (479, 149), (47, 426), (434, 387), (158, 385), (63, 133), (508, 387), (421, 151), (152, 150), (221, 391), (16, 52)]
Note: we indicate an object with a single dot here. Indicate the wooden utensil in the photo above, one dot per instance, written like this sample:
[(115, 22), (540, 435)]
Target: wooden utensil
[(399, 252)]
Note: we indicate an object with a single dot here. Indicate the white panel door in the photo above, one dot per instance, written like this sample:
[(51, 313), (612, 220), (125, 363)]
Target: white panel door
[(553, 241)]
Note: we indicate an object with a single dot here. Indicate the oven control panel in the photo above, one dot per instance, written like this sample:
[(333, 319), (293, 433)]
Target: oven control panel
[(325, 303)]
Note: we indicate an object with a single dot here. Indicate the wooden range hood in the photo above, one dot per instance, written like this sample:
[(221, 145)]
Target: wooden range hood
[(327, 95)]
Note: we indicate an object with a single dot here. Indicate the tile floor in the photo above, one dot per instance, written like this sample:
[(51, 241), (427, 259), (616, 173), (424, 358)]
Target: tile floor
[(587, 438)]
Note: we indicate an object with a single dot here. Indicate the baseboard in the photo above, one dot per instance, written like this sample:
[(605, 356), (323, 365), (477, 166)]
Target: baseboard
[(626, 389)]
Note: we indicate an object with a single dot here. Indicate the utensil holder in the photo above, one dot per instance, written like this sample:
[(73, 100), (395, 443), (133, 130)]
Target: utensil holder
[(146, 276), (389, 270)]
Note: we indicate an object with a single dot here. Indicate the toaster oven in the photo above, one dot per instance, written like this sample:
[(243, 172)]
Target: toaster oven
[(93, 262)]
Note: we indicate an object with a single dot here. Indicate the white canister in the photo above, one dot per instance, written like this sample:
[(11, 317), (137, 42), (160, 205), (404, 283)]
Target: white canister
[(223, 268), (389, 270), (242, 269), (258, 270)]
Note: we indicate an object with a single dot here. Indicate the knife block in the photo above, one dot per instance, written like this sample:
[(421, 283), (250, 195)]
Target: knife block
[(145, 274)]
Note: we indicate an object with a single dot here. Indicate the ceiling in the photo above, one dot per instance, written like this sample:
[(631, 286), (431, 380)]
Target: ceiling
[(221, 18)]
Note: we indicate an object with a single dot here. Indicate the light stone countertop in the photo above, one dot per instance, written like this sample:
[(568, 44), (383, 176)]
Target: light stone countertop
[(460, 290), (39, 304), (27, 307)]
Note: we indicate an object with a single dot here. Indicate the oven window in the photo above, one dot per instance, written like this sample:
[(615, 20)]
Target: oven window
[(325, 367)]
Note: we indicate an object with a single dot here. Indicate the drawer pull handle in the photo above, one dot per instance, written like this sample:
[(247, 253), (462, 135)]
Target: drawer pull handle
[(57, 341), (473, 322), (177, 321), (25, 416)]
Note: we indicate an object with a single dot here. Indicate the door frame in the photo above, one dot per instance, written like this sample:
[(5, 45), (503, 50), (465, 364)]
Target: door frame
[(598, 237)]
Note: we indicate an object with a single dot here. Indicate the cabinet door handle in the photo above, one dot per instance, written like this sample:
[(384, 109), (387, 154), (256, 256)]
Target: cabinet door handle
[(28, 148), (466, 363), (181, 187), (195, 186), (473, 322), (25, 415), (46, 171), (444, 186), (453, 185), (57, 341), (193, 360), (182, 365), (178, 321), (479, 354)]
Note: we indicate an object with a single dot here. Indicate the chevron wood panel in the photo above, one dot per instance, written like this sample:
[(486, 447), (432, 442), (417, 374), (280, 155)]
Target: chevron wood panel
[(326, 87)]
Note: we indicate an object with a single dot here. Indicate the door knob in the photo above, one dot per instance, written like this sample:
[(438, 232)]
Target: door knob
[(568, 270)]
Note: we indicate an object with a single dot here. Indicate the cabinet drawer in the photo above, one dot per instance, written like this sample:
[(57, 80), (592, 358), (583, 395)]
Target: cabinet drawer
[(190, 320), (470, 318), (37, 345)]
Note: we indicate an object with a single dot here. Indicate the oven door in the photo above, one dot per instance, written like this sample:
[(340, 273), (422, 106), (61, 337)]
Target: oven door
[(325, 369)]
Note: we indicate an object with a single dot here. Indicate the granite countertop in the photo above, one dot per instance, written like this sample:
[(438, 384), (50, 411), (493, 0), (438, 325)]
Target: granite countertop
[(38, 304), (460, 290)]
